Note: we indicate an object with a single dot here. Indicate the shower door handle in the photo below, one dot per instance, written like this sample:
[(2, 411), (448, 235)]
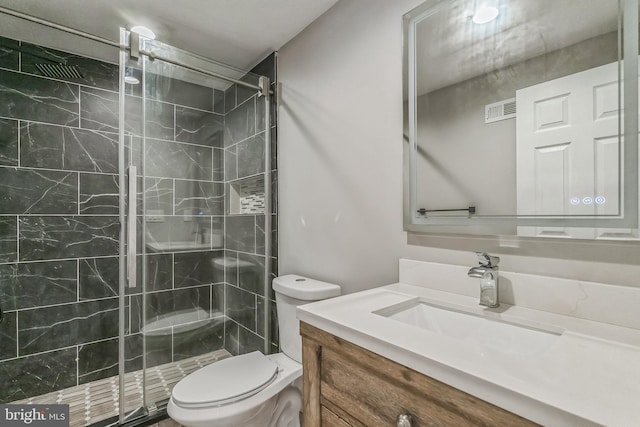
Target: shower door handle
[(132, 229)]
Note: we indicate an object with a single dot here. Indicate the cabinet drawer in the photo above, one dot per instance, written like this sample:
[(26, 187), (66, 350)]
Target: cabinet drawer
[(375, 391), (329, 419)]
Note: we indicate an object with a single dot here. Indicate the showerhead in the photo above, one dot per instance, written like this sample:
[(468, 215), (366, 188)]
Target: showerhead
[(59, 71)]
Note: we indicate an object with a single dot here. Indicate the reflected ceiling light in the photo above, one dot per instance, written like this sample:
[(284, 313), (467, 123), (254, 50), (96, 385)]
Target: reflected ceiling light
[(143, 31), (131, 80), (484, 14)]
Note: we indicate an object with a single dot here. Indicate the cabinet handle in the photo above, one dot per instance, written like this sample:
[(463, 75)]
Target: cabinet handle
[(404, 420)]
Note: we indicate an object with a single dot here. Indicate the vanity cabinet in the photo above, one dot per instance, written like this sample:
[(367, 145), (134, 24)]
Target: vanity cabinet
[(346, 385)]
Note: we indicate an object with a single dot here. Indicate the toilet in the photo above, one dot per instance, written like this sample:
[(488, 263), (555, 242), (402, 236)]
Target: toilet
[(254, 390)]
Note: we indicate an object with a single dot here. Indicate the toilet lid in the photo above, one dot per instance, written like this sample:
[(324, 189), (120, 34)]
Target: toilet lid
[(226, 381)]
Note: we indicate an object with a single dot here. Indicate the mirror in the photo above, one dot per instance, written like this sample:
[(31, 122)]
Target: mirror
[(512, 118)]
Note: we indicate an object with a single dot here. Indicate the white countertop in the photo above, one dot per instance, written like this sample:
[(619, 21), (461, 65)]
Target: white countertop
[(589, 376)]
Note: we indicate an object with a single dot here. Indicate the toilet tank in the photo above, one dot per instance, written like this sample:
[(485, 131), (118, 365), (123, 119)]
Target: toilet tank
[(291, 291)]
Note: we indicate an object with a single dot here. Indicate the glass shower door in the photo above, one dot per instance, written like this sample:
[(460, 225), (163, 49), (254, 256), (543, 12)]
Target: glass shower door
[(195, 159)]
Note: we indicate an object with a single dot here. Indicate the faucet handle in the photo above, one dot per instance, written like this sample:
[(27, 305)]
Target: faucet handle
[(487, 260)]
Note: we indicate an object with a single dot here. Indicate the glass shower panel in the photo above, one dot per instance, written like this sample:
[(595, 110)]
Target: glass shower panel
[(197, 145)]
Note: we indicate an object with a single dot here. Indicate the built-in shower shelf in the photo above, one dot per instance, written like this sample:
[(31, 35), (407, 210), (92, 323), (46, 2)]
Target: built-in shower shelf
[(246, 196)]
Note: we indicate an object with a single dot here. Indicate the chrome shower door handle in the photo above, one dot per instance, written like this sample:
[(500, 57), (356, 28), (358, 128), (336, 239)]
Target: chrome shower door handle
[(131, 228)]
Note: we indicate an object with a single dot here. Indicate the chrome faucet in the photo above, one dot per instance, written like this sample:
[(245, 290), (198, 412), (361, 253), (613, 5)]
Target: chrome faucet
[(487, 271)]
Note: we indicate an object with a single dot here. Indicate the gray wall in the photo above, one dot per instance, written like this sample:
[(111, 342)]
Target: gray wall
[(340, 164)]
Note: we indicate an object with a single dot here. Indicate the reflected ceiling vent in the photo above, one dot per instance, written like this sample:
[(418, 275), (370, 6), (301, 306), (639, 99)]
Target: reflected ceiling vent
[(502, 110)]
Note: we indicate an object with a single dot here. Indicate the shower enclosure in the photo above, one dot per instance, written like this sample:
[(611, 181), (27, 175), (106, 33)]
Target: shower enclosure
[(136, 223)]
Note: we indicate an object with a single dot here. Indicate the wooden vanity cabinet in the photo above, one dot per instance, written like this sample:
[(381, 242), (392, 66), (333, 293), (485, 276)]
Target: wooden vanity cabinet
[(346, 385)]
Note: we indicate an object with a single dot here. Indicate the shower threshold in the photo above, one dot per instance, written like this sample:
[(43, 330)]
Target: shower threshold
[(97, 401)]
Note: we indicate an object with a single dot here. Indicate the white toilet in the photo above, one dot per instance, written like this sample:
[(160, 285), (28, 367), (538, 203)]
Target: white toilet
[(254, 390)]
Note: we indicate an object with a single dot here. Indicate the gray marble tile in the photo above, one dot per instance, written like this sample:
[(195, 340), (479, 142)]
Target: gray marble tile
[(158, 348), (231, 163), (231, 339), (243, 94), (260, 231), (273, 319), (251, 273), (199, 127), (241, 306), (158, 196), (30, 191), (178, 160), (159, 120), (133, 354), (207, 337), (218, 101), (47, 237), (33, 98), (230, 271), (95, 73), (274, 234), (97, 360), (266, 67), (8, 338), (241, 233), (251, 156), (161, 87), (9, 56), (99, 194), (217, 300), (218, 164), (199, 198), (240, 123), (36, 284), (249, 341), (8, 238), (229, 99), (8, 142), (48, 328), (99, 278), (99, 110), (39, 374), (194, 268), (159, 272), (274, 192), (57, 147)]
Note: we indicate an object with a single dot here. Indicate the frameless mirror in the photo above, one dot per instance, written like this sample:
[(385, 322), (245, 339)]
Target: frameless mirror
[(513, 119)]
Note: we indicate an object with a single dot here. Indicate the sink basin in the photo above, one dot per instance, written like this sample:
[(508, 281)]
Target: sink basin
[(474, 329)]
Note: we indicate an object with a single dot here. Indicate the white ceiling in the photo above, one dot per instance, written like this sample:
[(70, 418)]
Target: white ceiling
[(460, 49), (235, 32)]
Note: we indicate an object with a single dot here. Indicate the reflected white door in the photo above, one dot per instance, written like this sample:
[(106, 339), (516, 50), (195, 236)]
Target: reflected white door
[(568, 150)]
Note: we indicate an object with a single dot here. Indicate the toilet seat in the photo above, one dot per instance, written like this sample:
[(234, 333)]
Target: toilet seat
[(225, 382)]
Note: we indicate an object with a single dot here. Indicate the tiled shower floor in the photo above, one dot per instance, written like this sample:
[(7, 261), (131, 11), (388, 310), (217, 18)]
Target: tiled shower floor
[(97, 401)]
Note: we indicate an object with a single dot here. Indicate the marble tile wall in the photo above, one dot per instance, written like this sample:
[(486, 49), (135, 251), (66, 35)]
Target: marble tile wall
[(245, 301), (59, 226)]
